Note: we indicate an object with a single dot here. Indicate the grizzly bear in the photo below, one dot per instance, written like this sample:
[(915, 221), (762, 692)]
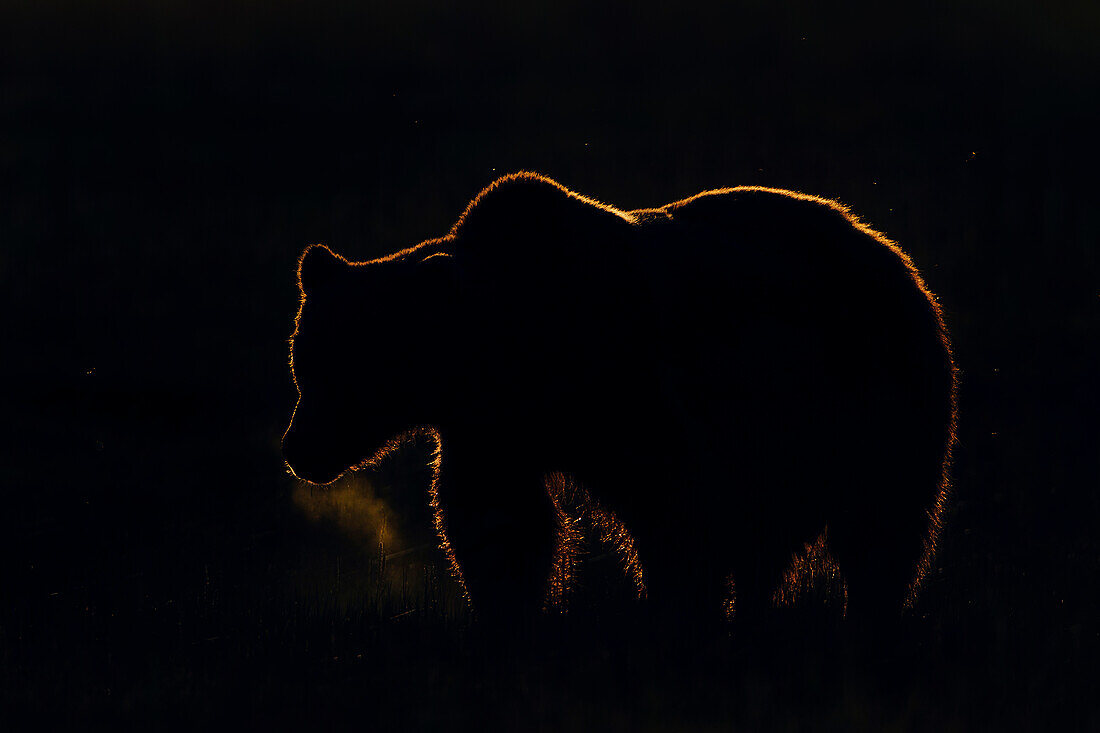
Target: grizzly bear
[(730, 376)]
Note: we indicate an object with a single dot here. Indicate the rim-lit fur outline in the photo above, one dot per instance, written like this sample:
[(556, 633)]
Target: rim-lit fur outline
[(433, 247)]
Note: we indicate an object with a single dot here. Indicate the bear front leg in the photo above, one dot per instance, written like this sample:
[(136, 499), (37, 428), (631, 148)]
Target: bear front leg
[(501, 527)]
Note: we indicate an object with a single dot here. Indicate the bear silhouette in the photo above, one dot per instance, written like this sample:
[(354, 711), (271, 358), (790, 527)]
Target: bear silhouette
[(731, 375)]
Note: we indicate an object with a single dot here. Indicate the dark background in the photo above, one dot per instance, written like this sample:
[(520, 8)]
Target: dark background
[(163, 164)]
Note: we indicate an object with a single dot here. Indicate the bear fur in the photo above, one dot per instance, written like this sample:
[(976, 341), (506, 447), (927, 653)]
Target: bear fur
[(732, 375)]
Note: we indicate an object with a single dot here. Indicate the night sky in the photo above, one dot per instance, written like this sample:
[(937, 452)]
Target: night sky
[(162, 166)]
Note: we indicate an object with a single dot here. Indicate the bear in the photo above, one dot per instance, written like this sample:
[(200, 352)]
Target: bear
[(733, 377)]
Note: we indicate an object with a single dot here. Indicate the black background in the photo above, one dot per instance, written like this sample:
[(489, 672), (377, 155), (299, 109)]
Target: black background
[(163, 165)]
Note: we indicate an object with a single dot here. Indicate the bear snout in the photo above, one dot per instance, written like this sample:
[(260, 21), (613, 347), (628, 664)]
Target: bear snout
[(310, 461)]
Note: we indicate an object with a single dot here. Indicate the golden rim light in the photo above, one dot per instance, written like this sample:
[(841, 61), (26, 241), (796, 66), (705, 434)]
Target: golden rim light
[(572, 502)]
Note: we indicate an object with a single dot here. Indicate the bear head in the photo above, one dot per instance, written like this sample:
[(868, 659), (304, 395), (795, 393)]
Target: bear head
[(365, 355)]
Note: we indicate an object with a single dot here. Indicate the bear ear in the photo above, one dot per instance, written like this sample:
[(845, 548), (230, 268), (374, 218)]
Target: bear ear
[(318, 267), (438, 271)]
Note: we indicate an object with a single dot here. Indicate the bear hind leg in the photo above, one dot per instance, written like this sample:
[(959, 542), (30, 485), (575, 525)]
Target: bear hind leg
[(878, 558)]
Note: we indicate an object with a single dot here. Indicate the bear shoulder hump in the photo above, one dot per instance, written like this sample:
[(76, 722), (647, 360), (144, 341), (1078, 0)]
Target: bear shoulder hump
[(525, 200)]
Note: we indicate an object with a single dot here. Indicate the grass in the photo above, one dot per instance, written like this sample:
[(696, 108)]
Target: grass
[(355, 623)]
